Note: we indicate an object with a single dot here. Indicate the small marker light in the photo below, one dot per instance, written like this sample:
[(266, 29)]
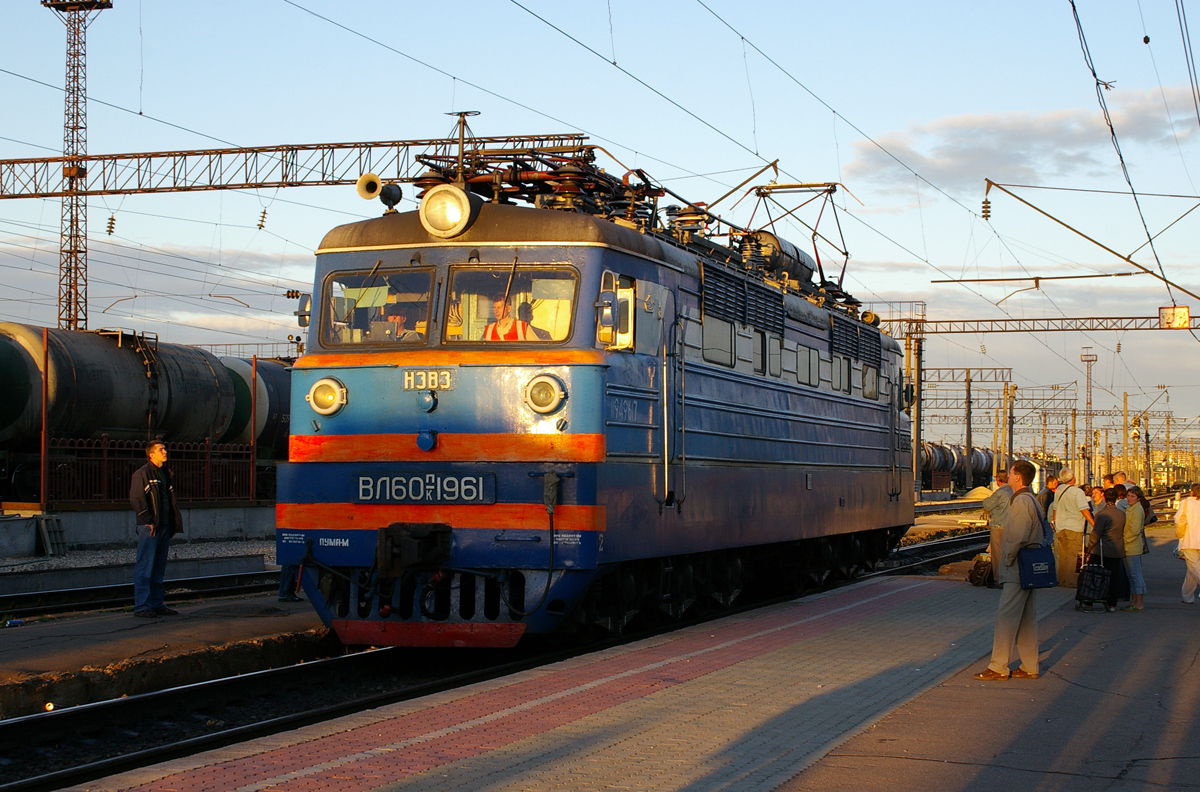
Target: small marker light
[(49, 706)]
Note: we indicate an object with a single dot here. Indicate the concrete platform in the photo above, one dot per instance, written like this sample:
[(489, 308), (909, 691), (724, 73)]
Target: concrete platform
[(71, 660), (744, 703), (93, 640), (866, 688), (1116, 709)]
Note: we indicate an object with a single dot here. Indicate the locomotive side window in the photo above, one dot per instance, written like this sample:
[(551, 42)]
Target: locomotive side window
[(718, 341), (774, 355), (870, 382), (377, 307), (759, 342), (802, 368), (840, 376), (808, 366), (533, 304)]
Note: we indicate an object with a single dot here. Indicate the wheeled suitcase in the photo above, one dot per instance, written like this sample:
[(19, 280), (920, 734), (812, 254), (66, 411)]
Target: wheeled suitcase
[(1094, 580)]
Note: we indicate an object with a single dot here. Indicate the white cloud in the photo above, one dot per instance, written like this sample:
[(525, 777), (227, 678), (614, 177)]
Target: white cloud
[(958, 152)]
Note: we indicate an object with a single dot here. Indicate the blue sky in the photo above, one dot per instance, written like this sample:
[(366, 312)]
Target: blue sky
[(958, 92)]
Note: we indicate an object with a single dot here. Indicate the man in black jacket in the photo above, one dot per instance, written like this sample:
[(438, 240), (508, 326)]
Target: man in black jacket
[(158, 519)]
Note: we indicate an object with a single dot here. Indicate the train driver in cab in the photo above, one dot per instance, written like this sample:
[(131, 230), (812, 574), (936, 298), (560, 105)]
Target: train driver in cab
[(397, 315), (506, 327)]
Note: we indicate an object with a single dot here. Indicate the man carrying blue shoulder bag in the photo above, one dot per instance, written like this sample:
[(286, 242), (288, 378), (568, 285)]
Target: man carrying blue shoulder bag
[(1016, 616)]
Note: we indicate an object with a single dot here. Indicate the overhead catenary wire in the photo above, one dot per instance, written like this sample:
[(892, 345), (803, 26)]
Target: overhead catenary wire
[(485, 90), (1101, 87)]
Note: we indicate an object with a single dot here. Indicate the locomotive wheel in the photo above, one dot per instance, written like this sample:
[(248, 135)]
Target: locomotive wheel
[(819, 561)]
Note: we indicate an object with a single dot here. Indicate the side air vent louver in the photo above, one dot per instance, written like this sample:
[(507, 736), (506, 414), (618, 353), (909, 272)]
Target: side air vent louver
[(733, 298), (856, 340)]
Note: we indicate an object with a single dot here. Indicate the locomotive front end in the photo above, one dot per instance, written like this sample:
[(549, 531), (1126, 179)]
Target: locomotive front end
[(441, 488)]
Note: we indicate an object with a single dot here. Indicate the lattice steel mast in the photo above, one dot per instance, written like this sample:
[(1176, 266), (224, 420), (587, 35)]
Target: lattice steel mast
[(1088, 357), (72, 261)]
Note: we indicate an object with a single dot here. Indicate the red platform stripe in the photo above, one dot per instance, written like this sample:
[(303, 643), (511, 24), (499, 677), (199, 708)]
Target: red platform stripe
[(569, 695), (455, 357), (457, 447), (372, 516), (358, 632)]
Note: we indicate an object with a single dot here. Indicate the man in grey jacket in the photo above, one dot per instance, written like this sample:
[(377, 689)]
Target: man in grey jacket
[(996, 506), (1016, 617)]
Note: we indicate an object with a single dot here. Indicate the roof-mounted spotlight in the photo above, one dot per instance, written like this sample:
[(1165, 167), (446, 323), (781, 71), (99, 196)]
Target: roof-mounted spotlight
[(447, 210), (371, 186)]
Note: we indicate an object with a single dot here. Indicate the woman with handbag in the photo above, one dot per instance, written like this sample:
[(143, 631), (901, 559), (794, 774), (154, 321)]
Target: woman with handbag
[(1107, 545), (1187, 530), (1135, 547)]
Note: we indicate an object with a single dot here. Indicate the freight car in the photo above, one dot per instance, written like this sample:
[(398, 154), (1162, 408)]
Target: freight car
[(519, 419), (127, 386)]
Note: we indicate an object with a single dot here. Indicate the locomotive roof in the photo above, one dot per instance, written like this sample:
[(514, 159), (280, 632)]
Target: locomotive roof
[(499, 224), (517, 225)]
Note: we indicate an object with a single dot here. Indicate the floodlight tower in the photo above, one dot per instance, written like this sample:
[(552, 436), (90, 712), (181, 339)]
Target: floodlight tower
[(72, 260), (1089, 358)]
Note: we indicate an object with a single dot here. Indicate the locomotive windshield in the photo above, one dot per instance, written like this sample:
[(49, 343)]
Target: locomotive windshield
[(377, 307), (531, 303)]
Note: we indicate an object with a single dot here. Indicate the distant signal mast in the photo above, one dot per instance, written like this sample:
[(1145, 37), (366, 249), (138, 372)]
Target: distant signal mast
[(72, 262)]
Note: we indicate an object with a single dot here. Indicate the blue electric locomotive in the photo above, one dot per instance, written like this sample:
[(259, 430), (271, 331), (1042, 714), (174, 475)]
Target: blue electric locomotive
[(512, 419)]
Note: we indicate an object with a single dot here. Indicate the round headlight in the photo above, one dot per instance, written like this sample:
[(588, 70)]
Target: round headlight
[(327, 396), (447, 211), (544, 394)]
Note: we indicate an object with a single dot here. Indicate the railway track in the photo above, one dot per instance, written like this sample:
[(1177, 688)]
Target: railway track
[(40, 603), (946, 507), (78, 744)]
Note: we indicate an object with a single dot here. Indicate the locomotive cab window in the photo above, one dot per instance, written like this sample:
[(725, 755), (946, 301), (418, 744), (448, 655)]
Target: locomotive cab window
[(379, 307), (531, 304)]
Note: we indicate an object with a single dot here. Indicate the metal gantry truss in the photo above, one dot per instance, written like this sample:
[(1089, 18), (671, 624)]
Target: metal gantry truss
[(269, 166), (1025, 400), (919, 328), (77, 174)]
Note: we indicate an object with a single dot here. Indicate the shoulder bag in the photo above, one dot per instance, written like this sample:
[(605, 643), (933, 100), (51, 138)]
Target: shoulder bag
[(1036, 563)]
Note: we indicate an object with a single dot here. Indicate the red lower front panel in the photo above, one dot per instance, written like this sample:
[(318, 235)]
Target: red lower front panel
[(398, 633)]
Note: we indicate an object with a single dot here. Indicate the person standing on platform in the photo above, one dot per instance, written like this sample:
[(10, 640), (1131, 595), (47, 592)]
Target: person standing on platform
[(996, 506), (1107, 545), (288, 574), (1045, 498), (1016, 616), (1071, 515), (1135, 546), (1122, 494), (1187, 528), (158, 519)]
